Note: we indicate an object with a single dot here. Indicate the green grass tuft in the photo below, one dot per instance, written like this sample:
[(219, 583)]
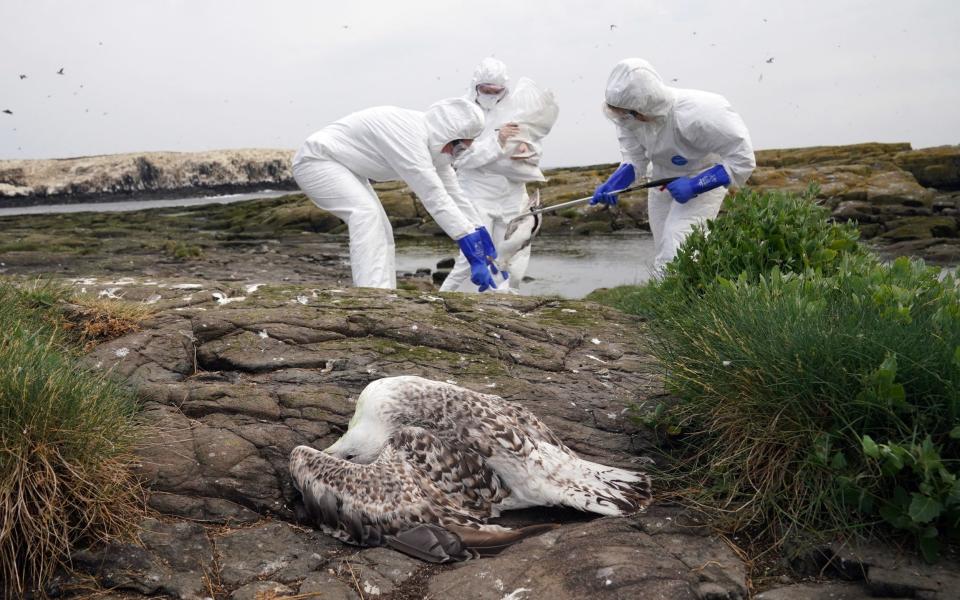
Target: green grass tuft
[(66, 438)]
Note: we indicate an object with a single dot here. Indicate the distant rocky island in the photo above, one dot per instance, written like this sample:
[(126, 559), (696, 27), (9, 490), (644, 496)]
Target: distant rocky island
[(143, 174)]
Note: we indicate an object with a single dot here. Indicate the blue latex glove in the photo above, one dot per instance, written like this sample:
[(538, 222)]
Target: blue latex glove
[(621, 178), (685, 188), (473, 247), (488, 248)]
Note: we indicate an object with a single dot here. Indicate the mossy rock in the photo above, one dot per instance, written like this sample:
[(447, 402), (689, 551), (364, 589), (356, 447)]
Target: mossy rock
[(937, 167), (830, 155), (593, 228), (919, 228)]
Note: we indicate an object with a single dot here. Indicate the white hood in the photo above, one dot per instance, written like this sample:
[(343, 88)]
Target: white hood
[(490, 70), (635, 85), (452, 119)]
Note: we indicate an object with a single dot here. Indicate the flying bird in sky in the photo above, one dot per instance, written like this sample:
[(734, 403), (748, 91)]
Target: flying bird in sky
[(60, 72), (770, 60), (22, 76), (8, 111)]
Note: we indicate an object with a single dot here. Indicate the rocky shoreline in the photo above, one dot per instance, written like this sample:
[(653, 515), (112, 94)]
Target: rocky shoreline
[(906, 201)]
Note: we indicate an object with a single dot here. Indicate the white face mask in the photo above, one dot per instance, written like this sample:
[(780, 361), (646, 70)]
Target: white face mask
[(488, 101), (630, 122)]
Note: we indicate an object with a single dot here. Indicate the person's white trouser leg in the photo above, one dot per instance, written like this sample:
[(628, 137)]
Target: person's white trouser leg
[(338, 190), (458, 276), (658, 207), (678, 221)]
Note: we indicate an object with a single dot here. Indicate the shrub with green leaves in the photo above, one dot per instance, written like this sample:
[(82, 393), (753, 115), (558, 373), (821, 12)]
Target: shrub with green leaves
[(757, 232), (818, 390), (823, 404), (66, 435)]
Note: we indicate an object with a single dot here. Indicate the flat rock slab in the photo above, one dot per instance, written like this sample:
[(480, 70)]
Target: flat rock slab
[(231, 387), (652, 555)]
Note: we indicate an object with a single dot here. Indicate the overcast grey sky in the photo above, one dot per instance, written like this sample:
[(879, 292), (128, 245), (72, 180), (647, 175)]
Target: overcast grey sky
[(207, 74)]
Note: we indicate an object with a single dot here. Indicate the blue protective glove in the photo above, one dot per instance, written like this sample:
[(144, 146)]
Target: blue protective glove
[(473, 247), (621, 178), (488, 248), (684, 188)]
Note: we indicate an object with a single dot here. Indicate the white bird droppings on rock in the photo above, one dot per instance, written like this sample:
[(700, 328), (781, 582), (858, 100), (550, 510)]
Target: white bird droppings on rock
[(153, 299), (568, 310), (414, 327), (595, 341), (223, 299), (517, 594), (187, 286), (592, 357), (252, 287), (303, 300), (121, 352), (263, 334), (371, 589)]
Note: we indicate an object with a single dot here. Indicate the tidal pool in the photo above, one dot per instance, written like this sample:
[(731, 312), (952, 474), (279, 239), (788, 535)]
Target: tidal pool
[(566, 266)]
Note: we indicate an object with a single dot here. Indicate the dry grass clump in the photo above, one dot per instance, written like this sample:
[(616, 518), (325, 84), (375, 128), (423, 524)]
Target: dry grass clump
[(92, 321)]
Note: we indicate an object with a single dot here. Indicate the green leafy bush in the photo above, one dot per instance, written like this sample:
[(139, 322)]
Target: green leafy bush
[(810, 399), (817, 388), (66, 435), (757, 232)]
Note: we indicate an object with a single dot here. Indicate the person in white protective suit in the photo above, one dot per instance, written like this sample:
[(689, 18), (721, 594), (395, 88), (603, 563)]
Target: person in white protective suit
[(335, 166), (693, 135), (496, 169)]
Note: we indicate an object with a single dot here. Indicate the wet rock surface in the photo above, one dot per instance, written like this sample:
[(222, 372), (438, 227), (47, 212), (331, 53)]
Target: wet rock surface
[(876, 185), (229, 388)]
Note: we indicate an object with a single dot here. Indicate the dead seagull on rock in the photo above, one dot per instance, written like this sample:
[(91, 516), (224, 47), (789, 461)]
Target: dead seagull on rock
[(419, 451), (420, 496)]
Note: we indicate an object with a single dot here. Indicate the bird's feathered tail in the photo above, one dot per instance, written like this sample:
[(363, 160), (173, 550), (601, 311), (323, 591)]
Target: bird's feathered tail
[(597, 488)]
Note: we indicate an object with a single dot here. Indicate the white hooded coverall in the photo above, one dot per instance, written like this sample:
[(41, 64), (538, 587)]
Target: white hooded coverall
[(691, 131), (335, 166), (494, 182)]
